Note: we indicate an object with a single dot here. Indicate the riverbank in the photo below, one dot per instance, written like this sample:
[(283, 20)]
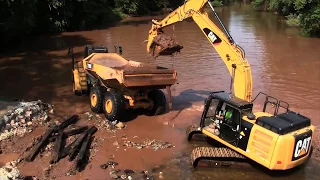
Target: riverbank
[(129, 147)]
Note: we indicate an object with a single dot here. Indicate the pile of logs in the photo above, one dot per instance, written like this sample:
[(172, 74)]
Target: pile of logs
[(57, 134)]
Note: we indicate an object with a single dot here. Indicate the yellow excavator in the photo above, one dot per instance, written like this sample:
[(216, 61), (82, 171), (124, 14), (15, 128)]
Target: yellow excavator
[(277, 140)]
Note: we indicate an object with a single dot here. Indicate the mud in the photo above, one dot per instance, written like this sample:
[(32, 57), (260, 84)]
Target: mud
[(165, 45), (40, 69)]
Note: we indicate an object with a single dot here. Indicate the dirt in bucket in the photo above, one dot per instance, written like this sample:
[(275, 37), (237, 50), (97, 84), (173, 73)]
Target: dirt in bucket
[(165, 45)]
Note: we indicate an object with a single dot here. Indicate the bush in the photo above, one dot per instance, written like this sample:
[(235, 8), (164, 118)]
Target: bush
[(293, 20), (299, 13), (216, 3)]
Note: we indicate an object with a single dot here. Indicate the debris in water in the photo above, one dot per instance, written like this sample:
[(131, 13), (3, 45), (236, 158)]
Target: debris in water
[(112, 163), (154, 144), (128, 171), (103, 166)]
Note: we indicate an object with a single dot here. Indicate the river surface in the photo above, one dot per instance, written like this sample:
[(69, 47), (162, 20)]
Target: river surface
[(284, 65)]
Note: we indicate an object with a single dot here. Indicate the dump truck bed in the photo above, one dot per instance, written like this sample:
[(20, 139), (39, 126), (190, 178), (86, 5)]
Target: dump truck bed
[(111, 66)]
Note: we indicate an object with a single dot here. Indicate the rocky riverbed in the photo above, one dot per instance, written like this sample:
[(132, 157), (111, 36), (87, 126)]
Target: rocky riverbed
[(118, 150), (26, 123)]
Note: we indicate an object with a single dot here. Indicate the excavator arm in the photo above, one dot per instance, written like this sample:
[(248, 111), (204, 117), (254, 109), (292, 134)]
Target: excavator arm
[(232, 55)]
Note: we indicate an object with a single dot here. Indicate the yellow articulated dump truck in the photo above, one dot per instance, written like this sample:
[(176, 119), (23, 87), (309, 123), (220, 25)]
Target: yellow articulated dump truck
[(116, 84)]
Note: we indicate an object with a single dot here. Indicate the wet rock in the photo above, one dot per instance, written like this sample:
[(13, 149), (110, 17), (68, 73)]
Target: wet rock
[(116, 143), (129, 171), (29, 123), (161, 175), (22, 121), (130, 177), (123, 176), (112, 163), (120, 125), (104, 166), (2, 124), (114, 175), (90, 116)]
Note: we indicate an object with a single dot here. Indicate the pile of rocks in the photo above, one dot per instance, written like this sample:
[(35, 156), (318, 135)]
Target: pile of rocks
[(22, 117), (154, 144), (10, 171)]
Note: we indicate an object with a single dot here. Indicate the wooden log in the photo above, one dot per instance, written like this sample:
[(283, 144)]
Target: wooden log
[(76, 145), (57, 147), (75, 131), (36, 149), (84, 147), (79, 142), (73, 119), (66, 150), (71, 132)]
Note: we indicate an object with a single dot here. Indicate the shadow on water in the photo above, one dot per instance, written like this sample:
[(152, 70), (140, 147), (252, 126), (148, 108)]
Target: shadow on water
[(187, 97), (32, 71)]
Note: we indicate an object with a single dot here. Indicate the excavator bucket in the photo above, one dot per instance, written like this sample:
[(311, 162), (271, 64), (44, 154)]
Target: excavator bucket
[(164, 45)]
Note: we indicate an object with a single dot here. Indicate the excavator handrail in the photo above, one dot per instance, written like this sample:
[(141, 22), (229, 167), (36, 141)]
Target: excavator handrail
[(231, 53)]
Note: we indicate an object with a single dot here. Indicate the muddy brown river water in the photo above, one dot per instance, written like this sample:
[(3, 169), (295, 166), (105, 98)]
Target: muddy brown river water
[(284, 64)]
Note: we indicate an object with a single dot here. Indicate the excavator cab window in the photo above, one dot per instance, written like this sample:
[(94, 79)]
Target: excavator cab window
[(223, 120), (229, 123)]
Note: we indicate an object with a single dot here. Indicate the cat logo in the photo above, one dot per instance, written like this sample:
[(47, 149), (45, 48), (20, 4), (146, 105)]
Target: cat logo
[(212, 37), (302, 147), (215, 40)]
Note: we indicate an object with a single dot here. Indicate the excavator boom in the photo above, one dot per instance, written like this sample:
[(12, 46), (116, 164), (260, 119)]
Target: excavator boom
[(232, 55)]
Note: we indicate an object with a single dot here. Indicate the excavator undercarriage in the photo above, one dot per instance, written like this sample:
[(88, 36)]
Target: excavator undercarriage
[(219, 156)]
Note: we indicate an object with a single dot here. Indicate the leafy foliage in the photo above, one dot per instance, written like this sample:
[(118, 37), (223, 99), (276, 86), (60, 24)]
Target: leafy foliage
[(304, 13), (23, 17)]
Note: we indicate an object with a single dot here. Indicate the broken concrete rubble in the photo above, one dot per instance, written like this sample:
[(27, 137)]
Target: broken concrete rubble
[(10, 171), (20, 119)]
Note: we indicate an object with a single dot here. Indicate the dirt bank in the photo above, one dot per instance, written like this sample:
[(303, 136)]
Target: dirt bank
[(131, 147)]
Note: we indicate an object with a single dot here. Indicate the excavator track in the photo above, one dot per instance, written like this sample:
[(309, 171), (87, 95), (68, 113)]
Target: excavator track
[(219, 156), (192, 130)]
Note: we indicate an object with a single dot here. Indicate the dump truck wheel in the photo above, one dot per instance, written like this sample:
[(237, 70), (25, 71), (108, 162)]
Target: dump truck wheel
[(96, 98), (159, 102), (114, 105)]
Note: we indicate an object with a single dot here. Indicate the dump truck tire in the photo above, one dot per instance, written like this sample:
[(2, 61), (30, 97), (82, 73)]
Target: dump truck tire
[(159, 102), (114, 105), (96, 98)]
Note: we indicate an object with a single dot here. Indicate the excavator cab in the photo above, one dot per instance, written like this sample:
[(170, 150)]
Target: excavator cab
[(222, 116), (261, 136)]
